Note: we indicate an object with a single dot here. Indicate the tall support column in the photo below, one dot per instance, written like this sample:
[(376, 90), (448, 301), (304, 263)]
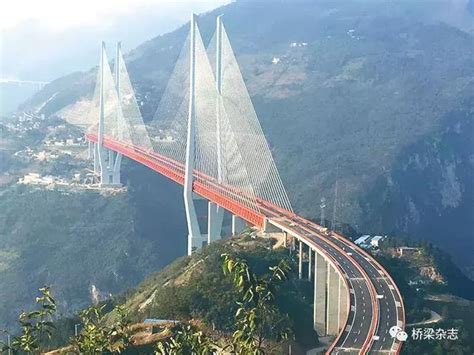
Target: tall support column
[(215, 212), (238, 225), (343, 294), (90, 149), (110, 164), (319, 306), (215, 216), (111, 159), (219, 95), (96, 158), (310, 268), (300, 261), (194, 234), (332, 327), (115, 164), (116, 177), (104, 173), (285, 239)]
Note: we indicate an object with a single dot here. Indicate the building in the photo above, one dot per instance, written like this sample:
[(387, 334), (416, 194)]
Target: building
[(362, 240), (375, 241), (407, 251)]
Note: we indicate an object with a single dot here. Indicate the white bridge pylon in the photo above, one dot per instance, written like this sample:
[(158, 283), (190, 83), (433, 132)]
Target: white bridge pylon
[(205, 122)]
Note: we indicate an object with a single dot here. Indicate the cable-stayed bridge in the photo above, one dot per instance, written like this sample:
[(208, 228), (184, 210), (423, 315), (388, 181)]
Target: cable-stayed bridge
[(206, 136)]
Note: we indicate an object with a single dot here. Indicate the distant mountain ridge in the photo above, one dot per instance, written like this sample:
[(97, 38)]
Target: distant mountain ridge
[(377, 100)]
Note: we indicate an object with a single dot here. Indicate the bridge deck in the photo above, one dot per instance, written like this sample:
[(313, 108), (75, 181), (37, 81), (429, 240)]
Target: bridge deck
[(368, 314)]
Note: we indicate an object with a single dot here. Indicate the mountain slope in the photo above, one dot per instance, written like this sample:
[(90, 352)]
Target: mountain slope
[(374, 83), (84, 244)]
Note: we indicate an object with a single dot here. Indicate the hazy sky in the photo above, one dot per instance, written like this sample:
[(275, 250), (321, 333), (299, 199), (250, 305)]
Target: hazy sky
[(63, 14), (45, 39)]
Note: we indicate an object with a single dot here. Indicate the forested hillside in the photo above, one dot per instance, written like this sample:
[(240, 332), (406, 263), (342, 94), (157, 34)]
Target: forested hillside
[(86, 245), (377, 96)]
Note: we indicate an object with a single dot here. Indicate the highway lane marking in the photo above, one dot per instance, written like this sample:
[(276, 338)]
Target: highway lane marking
[(347, 349)]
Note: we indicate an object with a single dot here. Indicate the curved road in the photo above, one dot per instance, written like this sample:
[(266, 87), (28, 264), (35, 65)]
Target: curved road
[(375, 303)]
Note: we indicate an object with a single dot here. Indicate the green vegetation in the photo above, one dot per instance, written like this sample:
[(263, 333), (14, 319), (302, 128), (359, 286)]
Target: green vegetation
[(71, 241), (257, 316), (379, 98), (259, 325), (196, 288), (186, 339), (426, 295), (95, 337), (36, 325)]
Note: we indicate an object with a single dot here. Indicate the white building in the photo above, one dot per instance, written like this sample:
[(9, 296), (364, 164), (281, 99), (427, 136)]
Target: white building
[(362, 240), (375, 241)]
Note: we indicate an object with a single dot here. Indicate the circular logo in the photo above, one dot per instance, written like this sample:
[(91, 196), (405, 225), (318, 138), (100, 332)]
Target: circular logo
[(402, 336), (394, 331)]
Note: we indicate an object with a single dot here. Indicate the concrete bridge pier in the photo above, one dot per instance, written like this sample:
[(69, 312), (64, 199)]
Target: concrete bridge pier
[(285, 239), (330, 298), (196, 242), (332, 303), (320, 293), (343, 303), (238, 225), (96, 158), (90, 150), (215, 217), (116, 169), (110, 159), (300, 260), (310, 268)]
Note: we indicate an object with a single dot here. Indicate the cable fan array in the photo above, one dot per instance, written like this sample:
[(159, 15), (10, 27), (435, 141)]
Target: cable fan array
[(230, 154)]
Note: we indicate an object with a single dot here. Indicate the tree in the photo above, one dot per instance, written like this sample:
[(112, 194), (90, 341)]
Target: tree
[(95, 337), (36, 325), (257, 317), (187, 340), (121, 333)]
